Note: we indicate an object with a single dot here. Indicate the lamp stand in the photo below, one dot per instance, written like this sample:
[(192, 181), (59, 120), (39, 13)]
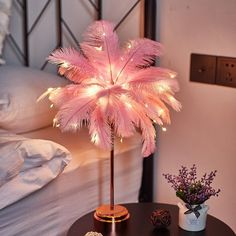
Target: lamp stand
[(111, 213)]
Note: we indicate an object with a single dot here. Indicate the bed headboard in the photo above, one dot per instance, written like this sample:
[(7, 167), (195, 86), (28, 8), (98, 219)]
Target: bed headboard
[(64, 34)]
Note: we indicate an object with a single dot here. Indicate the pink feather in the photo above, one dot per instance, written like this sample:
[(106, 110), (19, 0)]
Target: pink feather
[(147, 129), (72, 64), (121, 116), (150, 75), (139, 53), (113, 87), (99, 129), (101, 47)]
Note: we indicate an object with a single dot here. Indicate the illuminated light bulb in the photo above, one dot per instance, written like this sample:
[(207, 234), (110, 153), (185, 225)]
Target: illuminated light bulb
[(164, 129), (146, 105), (162, 88), (125, 86), (128, 105), (121, 140), (172, 75), (131, 59), (160, 112), (103, 34), (45, 94), (65, 64), (92, 90), (51, 106), (99, 48), (54, 122), (95, 138), (50, 89), (103, 101), (129, 45), (172, 99), (54, 91)]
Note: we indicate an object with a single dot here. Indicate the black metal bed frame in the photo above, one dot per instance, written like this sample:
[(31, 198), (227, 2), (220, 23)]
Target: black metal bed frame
[(146, 189)]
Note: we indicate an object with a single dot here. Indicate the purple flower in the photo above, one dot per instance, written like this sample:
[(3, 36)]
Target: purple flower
[(189, 188)]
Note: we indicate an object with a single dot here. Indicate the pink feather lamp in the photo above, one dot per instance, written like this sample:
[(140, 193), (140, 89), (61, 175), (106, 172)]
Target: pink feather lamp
[(114, 91)]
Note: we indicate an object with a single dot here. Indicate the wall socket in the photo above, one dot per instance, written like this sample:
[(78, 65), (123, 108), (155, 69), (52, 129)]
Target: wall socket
[(213, 69), (226, 71)]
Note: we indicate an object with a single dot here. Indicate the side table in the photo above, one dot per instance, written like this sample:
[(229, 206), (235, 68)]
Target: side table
[(139, 223)]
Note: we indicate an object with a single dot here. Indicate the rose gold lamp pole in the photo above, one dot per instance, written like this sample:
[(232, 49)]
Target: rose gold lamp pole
[(112, 169), (111, 213)]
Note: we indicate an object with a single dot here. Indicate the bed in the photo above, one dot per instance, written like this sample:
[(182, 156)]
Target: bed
[(77, 171), (83, 185)]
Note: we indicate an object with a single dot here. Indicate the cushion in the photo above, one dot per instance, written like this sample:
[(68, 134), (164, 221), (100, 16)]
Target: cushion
[(19, 89), (5, 6)]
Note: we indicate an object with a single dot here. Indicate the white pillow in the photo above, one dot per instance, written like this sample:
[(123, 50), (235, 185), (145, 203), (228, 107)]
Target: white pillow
[(27, 165), (19, 89), (5, 7)]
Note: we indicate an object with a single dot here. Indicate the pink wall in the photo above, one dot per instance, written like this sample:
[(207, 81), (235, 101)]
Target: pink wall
[(204, 132)]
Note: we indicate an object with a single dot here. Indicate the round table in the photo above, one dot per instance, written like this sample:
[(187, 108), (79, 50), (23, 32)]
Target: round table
[(139, 224)]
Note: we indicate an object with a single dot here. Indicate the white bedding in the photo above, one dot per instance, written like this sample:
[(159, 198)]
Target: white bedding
[(82, 186), (27, 165)]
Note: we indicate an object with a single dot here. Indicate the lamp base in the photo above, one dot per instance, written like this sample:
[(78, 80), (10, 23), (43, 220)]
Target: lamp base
[(106, 214)]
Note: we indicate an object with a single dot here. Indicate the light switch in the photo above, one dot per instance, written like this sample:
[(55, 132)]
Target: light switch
[(203, 68)]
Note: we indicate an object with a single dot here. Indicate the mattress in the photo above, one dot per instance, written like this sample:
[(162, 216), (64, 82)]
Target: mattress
[(82, 186)]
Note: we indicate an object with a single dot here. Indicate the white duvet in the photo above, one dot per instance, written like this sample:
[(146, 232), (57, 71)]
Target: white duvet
[(27, 165)]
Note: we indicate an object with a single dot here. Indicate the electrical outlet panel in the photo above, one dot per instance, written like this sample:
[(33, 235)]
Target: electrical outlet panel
[(226, 71), (203, 68), (213, 69)]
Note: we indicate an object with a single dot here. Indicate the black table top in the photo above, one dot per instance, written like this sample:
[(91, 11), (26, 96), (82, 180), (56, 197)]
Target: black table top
[(139, 224)]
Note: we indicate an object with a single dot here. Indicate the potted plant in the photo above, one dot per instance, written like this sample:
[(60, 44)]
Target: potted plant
[(194, 193)]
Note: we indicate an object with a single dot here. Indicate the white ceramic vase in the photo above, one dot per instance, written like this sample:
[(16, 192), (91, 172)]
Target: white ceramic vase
[(190, 221)]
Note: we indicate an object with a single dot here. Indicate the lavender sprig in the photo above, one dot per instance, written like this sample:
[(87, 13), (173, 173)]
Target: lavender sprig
[(189, 188)]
